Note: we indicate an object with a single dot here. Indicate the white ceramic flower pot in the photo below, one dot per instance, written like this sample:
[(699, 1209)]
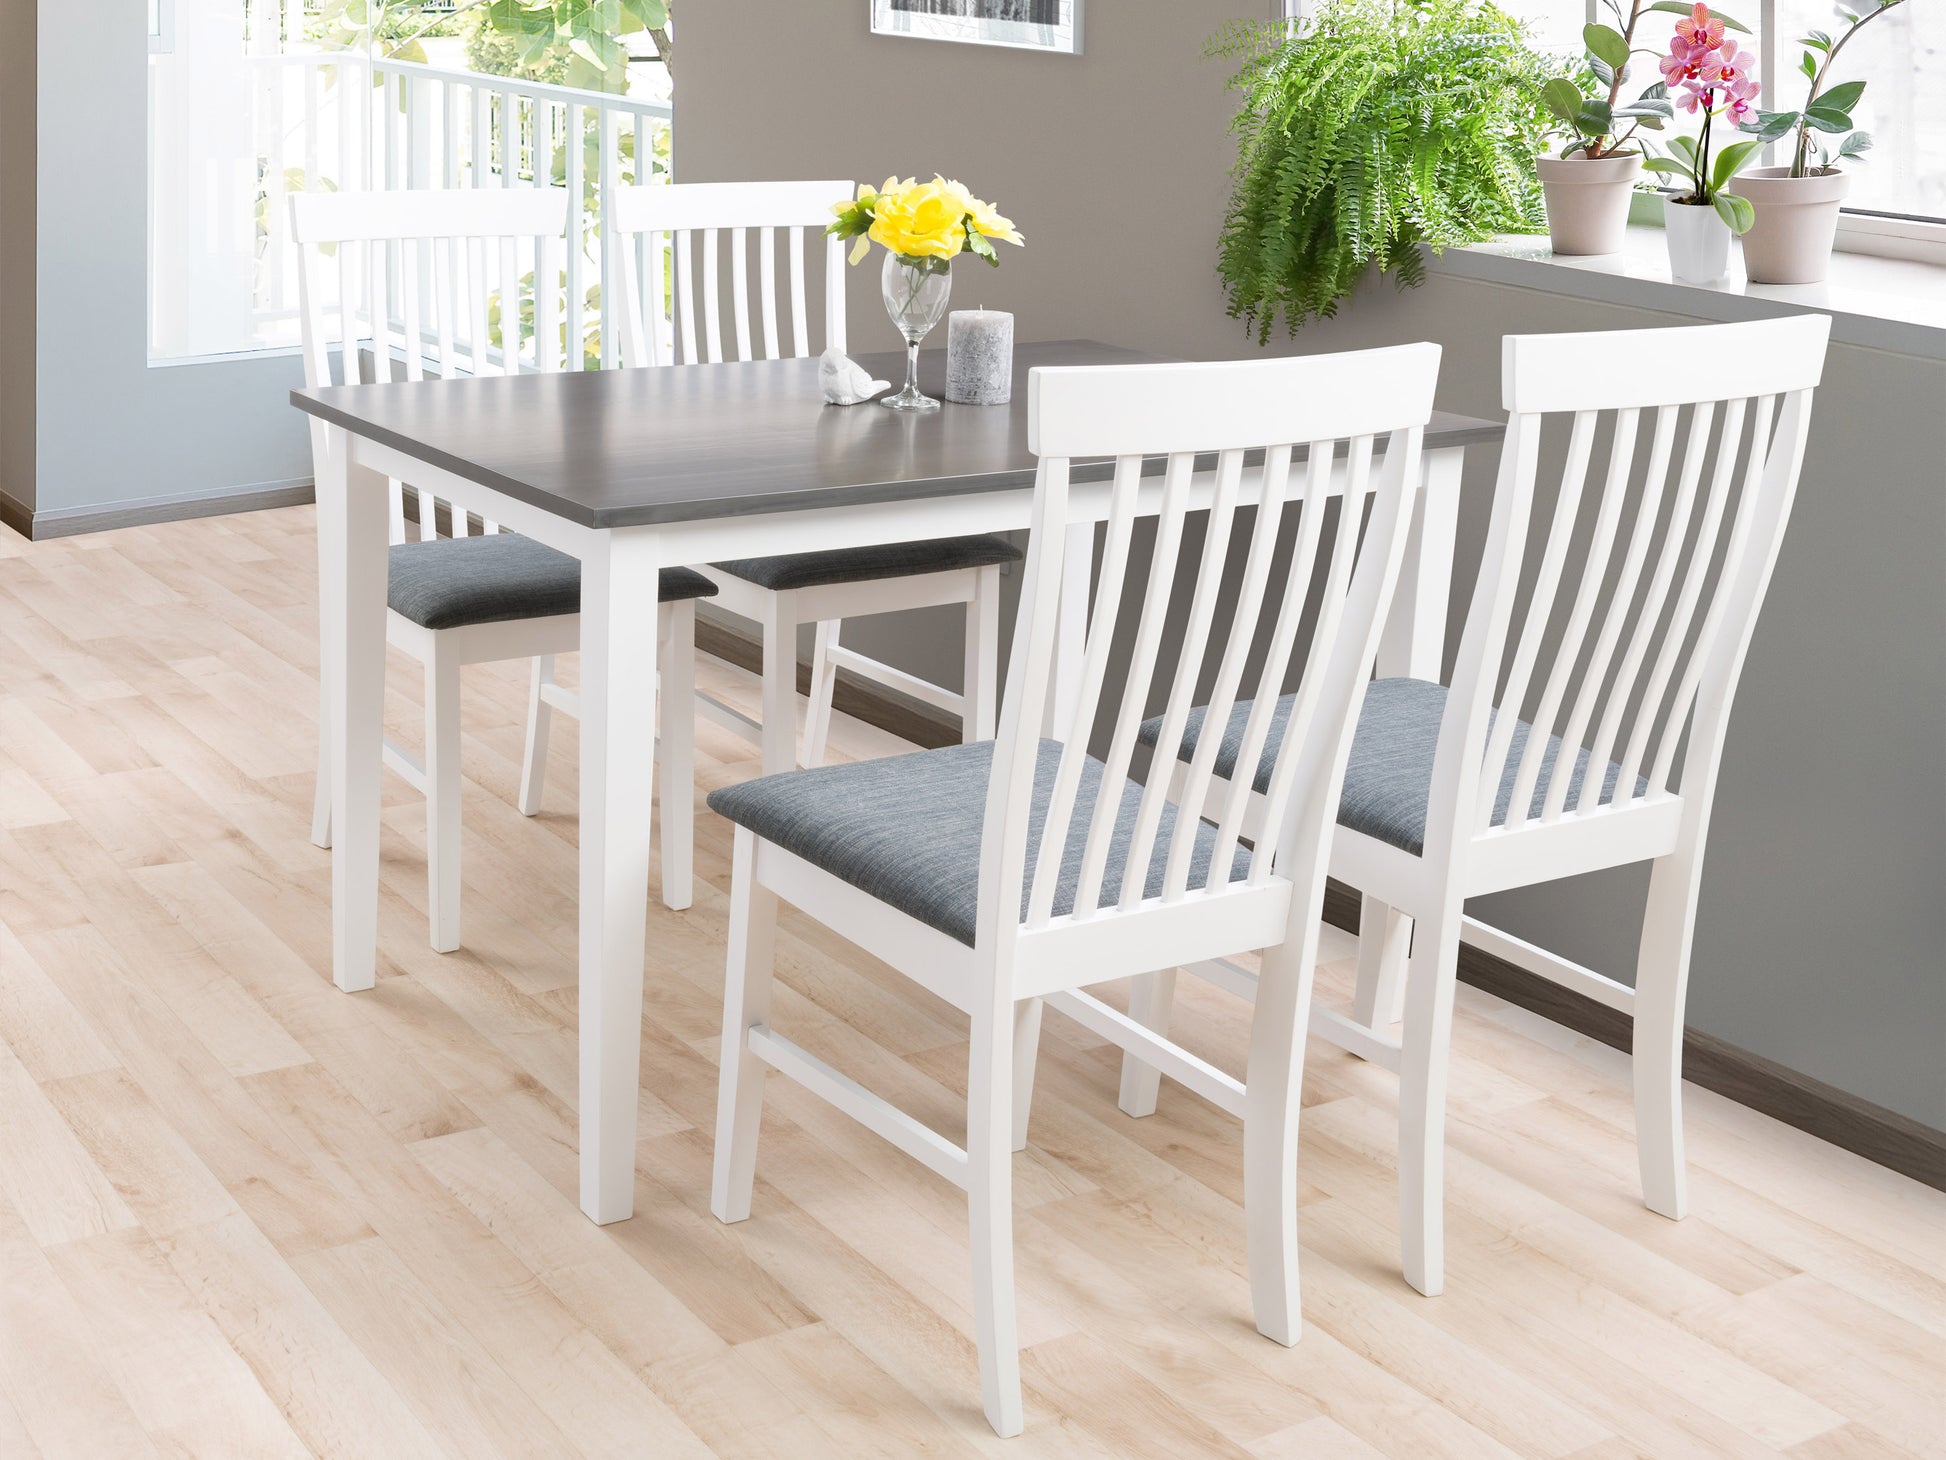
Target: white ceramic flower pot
[(1699, 243), (1587, 201), (1797, 222)]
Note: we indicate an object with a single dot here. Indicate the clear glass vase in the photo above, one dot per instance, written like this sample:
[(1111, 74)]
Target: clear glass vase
[(916, 291)]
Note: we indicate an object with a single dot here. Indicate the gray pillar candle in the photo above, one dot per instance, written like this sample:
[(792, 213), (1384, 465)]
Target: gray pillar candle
[(980, 357)]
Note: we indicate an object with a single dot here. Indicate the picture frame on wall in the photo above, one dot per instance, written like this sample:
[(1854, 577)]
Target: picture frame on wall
[(1034, 25)]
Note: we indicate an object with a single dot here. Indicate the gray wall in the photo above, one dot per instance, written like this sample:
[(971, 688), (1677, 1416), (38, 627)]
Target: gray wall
[(1823, 928), (108, 430)]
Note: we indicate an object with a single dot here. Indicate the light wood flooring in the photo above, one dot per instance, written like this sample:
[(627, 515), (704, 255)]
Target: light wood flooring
[(242, 1214)]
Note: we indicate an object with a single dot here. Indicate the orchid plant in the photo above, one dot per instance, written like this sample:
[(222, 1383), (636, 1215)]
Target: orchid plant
[(1827, 109), (1709, 75), (1600, 122)]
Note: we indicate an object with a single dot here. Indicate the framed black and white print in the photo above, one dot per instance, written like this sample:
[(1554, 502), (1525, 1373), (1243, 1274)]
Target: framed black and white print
[(1036, 25)]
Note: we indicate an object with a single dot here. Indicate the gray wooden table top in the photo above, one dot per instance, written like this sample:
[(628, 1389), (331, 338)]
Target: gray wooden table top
[(623, 448)]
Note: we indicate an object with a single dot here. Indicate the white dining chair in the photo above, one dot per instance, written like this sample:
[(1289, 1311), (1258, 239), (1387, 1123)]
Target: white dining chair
[(673, 238), (938, 862), (423, 278), (1428, 816)]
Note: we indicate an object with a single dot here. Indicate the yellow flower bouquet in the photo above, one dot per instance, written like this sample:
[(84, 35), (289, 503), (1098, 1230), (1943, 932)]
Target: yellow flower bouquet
[(923, 227), (930, 222)]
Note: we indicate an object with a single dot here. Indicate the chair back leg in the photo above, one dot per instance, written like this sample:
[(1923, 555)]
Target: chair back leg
[(1384, 937), (1424, 1060), (779, 734), (824, 687), (1273, 1094), (746, 1003), (1661, 987), (442, 797), (1151, 1000), (990, 1211), (540, 719), (1027, 1049), (676, 715)]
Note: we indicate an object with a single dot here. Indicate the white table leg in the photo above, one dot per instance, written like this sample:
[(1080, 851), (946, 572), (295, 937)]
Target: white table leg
[(352, 527), (618, 653)]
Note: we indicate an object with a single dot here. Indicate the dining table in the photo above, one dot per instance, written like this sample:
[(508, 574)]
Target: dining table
[(631, 471)]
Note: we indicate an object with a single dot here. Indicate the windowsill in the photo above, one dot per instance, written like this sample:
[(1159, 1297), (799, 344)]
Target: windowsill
[(1887, 304)]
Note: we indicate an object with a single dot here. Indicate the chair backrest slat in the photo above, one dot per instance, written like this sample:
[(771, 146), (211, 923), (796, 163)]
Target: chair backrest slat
[(1227, 437), (1656, 676), (708, 218), (431, 269)]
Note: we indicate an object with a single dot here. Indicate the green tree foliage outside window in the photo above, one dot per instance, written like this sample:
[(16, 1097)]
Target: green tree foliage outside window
[(580, 43), (1373, 129)]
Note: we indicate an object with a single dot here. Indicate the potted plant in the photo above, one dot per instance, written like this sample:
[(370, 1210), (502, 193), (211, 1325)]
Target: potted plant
[(1796, 207), (1371, 129), (1708, 74), (1588, 185)]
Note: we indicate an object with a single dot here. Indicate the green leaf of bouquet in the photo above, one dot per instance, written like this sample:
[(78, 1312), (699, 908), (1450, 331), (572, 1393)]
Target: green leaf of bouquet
[(1605, 43), (1735, 210)]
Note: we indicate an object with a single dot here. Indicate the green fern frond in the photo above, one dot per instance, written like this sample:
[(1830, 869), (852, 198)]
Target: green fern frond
[(1380, 128)]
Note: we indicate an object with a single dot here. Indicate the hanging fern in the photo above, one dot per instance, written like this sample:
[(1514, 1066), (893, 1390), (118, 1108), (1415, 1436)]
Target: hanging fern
[(1379, 126)]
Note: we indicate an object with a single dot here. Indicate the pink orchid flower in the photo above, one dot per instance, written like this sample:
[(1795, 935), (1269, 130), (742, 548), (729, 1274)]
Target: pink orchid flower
[(1686, 62), (1699, 24)]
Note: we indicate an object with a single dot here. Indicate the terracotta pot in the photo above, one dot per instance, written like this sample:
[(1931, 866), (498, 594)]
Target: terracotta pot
[(1797, 220), (1699, 242), (1587, 201)]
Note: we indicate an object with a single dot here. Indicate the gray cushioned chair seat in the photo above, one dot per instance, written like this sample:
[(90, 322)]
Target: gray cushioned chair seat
[(907, 829), (864, 564), (1389, 776), (449, 583)]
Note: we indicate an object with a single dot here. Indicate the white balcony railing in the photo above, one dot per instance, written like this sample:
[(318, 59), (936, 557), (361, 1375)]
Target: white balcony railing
[(338, 120)]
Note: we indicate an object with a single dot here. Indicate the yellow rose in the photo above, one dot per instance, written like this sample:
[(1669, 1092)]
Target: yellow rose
[(926, 220)]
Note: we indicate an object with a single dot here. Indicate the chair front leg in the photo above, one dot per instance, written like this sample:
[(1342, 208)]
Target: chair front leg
[(1661, 988), (979, 686), (1425, 1057), (676, 713), (989, 1203), (1273, 1096), (824, 688), (442, 797), (540, 718), (1384, 939), (1151, 1002), (746, 1004)]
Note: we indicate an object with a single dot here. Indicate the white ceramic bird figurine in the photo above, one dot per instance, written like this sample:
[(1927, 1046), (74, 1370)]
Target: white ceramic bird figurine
[(844, 381)]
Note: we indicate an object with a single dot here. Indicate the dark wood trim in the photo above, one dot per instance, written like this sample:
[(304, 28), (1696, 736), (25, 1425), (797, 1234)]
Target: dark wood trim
[(1872, 1131), (16, 514), (73, 521)]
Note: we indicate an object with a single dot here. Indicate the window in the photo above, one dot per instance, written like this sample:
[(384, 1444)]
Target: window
[(1902, 58)]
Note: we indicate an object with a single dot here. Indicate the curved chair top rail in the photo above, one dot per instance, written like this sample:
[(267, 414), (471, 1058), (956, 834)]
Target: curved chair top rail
[(1243, 638), (714, 219), (429, 282), (1644, 592)]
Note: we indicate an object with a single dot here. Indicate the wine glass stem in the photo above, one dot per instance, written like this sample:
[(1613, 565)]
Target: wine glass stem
[(911, 366)]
